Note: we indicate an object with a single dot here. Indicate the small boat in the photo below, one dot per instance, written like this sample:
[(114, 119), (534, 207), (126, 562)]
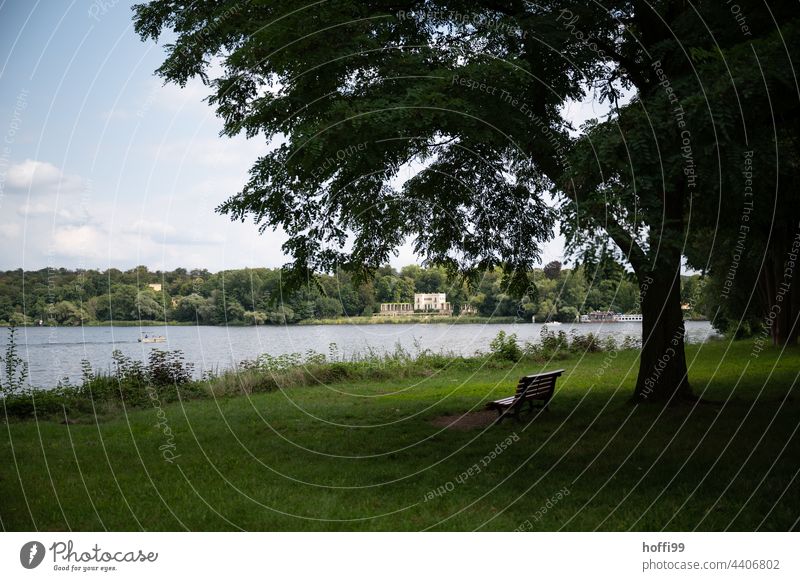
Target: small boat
[(145, 338)]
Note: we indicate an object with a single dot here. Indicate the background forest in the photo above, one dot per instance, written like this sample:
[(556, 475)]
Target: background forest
[(258, 295)]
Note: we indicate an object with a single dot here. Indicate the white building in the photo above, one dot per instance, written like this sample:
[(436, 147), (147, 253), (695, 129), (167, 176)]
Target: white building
[(432, 303), (396, 309)]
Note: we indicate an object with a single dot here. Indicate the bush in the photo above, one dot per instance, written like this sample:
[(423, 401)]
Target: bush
[(168, 368), (61, 401), (505, 346), (165, 376), (586, 343), (552, 342), (14, 372), (631, 343)]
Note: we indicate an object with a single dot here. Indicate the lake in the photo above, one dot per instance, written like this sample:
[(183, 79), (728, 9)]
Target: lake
[(56, 352)]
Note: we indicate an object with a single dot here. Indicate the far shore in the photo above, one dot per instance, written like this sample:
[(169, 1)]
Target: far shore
[(357, 320)]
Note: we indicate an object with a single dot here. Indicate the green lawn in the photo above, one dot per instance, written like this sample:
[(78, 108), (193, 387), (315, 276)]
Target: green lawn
[(365, 456)]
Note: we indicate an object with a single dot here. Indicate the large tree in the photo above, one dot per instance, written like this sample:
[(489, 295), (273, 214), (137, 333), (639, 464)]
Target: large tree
[(754, 280), (472, 94)]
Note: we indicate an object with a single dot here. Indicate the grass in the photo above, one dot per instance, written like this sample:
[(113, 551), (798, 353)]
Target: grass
[(362, 454)]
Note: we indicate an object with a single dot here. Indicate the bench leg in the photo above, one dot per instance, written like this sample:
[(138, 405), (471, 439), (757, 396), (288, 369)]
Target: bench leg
[(509, 411)]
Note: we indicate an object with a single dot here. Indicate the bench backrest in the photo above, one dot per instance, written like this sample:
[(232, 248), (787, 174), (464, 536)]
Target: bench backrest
[(540, 385)]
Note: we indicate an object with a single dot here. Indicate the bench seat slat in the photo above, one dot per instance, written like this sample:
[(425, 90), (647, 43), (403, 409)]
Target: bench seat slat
[(507, 401)]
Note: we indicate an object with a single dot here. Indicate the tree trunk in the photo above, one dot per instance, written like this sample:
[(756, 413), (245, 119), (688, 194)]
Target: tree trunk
[(663, 375)]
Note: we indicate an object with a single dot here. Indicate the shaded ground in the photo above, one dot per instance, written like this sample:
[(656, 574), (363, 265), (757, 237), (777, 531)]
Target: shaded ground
[(467, 421)]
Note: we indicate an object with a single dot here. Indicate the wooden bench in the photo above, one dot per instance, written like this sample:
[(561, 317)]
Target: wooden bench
[(538, 387)]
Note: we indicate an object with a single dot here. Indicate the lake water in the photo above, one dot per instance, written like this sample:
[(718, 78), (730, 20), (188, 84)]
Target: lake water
[(56, 352)]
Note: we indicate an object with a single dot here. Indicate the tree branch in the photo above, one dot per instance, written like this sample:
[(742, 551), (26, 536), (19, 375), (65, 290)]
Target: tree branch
[(632, 68), (633, 252)]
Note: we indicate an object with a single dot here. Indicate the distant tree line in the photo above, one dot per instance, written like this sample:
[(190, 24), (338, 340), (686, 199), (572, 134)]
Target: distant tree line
[(257, 295)]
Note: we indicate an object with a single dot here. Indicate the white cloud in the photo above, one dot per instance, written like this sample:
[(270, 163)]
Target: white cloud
[(149, 228), (169, 98), (167, 234), (66, 213), (35, 209), (213, 152), (87, 241), (31, 173), (41, 177), (10, 230)]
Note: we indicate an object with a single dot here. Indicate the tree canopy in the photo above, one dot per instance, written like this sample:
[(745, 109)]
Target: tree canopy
[(471, 95)]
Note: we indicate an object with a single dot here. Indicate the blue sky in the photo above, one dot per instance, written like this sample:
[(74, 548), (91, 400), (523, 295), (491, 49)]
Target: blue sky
[(103, 166)]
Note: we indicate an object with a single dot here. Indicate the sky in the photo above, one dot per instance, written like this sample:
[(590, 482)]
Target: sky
[(102, 165)]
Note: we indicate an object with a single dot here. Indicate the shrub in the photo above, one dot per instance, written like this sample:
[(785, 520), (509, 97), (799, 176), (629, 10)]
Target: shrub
[(60, 401), (126, 369), (610, 344), (552, 342), (505, 346), (631, 343), (165, 376), (585, 343), (168, 368), (14, 373)]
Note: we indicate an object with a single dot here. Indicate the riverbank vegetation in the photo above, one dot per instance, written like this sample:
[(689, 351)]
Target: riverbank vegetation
[(166, 377), (298, 443), (259, 296)]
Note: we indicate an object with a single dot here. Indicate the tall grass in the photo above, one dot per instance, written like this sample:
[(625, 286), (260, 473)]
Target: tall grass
[(268, 372)]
